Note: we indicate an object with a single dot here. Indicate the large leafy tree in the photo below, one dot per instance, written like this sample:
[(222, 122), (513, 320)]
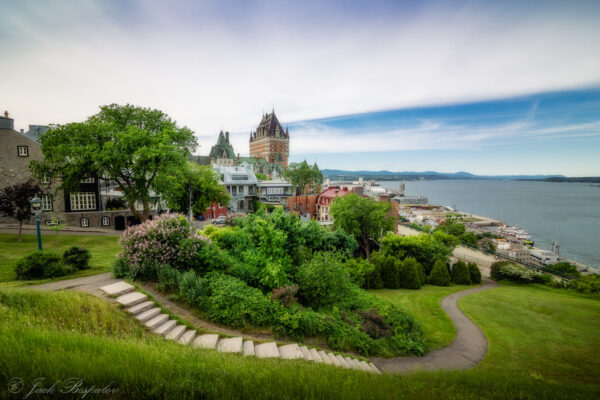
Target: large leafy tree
[(14, 201), (129, 145), (362, 217), (304, 178), (198, 184)]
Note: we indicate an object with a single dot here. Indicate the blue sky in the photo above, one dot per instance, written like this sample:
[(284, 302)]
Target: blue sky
[(487, 87)]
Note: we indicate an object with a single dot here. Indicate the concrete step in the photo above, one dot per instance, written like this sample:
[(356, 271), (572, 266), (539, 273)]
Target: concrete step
[(266, 350), (117, 289), (187, 337), (364, 366), (148, 314), (131, 299), (230, 345), (146, 305), (315, 355), (176, 332), (342, 361), (334, 360), (166, 327), (352, 363), (208, 341), (324, 357), (374, 368), (290, 352), (160, 319), (248, 348), (305, 353)]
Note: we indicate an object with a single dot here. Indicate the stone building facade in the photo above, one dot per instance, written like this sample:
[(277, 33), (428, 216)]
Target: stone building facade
[(270, 141)]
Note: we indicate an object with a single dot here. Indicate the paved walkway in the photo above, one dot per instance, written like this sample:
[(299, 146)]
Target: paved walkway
[(466, 351)]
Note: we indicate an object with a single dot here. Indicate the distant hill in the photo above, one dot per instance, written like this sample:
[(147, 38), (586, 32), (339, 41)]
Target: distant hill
[(429, 175)]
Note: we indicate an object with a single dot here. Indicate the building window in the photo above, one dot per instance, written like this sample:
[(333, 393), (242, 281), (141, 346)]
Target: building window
[(275, 190), (87, 180), (85, 222), (83, 201), (105, 221), (45, 180), (46, 202), (23, 151)]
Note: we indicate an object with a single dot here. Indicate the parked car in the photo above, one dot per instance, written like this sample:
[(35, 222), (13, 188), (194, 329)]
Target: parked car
[(220, 220)]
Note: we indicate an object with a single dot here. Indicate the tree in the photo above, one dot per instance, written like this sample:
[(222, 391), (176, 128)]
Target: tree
[(439, 275), (363, 218), (475, 273), (199, 181), (424, 248), (14, 201), (389, 268), (409, 273), (128, 145), (461, 274), (487, 246), (304, 178)]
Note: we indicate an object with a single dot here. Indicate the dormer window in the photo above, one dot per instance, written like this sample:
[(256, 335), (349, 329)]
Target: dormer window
[(87, 180), (23, 151)]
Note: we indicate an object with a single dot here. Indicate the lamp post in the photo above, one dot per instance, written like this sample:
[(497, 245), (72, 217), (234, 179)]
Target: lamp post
[(36, 209)]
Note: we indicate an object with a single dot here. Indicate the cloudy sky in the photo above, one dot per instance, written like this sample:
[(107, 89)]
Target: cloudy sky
[(485, 87)]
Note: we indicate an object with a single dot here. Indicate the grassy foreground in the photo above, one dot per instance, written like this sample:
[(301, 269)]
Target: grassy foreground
[(102, 248), (424, 304), (61, 335)]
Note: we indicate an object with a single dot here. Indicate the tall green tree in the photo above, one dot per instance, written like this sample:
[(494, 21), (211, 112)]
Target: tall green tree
[(304, 178), (128, 145), (362, 217), (14, 201), (198, 185)]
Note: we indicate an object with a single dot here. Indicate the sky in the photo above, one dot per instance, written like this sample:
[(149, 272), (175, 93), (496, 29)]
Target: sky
[(502, 87)]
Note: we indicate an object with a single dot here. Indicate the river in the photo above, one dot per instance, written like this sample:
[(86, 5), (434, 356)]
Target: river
[(566, 212)]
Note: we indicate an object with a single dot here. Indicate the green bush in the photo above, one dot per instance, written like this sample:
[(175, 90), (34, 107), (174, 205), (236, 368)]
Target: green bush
[(359, 270), (120, 268), (39, 265), (77, 257), (506, 270), (475, 273), (409, 273), (439, 275), (323, 281), (390, 270), (168, 278), (563, 269), (588, 284), (424, 248), (373, 279), (461, 274), (192, 288)]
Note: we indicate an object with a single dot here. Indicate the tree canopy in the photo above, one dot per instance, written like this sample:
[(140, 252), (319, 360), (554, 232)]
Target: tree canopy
[(304, 177), (363, 218), (128, 145), (201, 181), (14, 201)]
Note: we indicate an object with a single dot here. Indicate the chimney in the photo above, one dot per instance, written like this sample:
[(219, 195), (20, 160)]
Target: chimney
[(227, 137), (7, 123), (5, 114)]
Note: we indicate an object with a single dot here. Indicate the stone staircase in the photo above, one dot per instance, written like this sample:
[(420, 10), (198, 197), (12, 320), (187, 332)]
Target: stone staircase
[(148, 313)]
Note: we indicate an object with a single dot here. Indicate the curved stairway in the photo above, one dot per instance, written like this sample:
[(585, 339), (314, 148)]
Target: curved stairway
[(148, 313)]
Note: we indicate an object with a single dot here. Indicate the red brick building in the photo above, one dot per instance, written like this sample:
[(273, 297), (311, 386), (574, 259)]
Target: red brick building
[(324, 200), (215, 210)]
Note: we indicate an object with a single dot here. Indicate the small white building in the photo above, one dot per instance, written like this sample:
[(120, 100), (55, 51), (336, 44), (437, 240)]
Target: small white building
[(240, 183)]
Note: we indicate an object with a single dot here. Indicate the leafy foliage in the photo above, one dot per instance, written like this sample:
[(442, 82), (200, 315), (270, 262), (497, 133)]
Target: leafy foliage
[(424, 248), (39, 265), (439, 275), (14, 201), (77, 257), (475, 273), (461, 274), (363, 218), (129, 145), (410, 276), (390, 270)]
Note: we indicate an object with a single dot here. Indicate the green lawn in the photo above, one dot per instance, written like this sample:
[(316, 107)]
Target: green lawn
[(424, 304), (59, 335), (102, 248)]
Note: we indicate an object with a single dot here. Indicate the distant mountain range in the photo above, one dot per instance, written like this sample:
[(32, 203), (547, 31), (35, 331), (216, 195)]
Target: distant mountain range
[(430, 175)]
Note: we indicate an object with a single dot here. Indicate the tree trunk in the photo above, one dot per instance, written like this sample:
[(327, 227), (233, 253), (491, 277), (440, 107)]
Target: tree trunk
[(365, 243), (146, 212), (20, 229), (134, 211)]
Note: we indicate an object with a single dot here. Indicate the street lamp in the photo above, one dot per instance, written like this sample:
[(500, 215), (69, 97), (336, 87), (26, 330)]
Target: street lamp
[(36, 209)]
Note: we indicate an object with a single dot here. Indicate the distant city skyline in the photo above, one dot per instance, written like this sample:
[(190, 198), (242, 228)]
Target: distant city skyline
[(488, 88)]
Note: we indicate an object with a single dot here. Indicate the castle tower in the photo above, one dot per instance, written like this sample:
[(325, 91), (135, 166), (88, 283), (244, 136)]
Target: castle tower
[(270, 141)]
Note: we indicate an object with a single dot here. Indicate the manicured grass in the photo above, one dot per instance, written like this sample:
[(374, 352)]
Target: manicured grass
[(102, 248), (424, 304), (61, 335), (548, 334)]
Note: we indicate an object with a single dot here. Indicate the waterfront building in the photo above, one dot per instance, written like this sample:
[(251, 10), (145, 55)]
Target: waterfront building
[(542, 258)]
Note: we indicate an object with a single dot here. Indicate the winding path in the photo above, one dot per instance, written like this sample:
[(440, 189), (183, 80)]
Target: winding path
[(466, 351)]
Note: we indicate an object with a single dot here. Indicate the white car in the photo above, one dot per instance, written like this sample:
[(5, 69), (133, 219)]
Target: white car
[(219, 220)]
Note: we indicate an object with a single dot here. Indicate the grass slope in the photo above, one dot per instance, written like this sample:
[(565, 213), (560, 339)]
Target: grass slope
[(58, 335), (424, 304), (102, 248)]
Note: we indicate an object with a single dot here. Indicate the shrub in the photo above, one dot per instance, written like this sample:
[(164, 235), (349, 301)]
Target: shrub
[(409, 273), (390, 270), (461, 274), (166, 240), (475, 273), (506, 270), (121, 268), (39, 265), (588, 284), (424, 248), (192, 288), (286, 295), (563, 269), (374, 324), (373, 279), (360, 270), (323, 281), (439, 275), (168, 278), (77, 257)]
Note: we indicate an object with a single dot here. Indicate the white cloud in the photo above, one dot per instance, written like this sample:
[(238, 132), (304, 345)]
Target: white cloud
[(219, 69)]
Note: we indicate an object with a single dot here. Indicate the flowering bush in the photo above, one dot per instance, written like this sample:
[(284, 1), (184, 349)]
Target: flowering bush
[(166, 240)]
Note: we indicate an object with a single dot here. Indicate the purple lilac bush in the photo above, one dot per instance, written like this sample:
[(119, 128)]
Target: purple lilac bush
[(165, 240)]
